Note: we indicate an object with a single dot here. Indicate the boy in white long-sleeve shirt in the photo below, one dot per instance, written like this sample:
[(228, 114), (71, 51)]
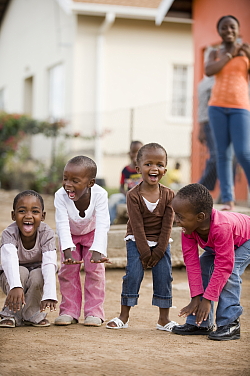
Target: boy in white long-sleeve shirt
[(28, 264), (82, 222)]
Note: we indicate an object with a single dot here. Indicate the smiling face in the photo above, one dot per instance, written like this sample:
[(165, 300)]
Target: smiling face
[(185, 215), (152, 165), (76, 181), (228, 30), (28, 215)]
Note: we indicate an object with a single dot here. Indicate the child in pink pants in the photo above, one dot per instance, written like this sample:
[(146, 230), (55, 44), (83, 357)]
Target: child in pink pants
[(82, 221)]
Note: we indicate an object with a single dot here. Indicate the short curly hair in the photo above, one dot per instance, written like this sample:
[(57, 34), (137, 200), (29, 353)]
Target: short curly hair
[(27, 193), (152, 145), (198, 196), (86, 162)]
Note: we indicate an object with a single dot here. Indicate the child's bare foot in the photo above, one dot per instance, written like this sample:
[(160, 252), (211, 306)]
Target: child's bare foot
[(163, 322)]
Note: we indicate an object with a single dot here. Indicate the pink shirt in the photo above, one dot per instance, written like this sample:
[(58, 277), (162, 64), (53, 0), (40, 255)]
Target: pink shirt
[(228, 231)]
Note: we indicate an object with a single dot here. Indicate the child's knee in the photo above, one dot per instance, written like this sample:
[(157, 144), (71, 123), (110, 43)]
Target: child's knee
[(36, 278), (24, 275)]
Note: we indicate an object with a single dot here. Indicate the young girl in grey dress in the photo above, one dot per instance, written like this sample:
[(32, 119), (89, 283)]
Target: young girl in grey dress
[(28, 264)]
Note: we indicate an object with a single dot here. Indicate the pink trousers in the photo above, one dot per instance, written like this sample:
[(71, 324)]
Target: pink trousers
[(70, 282)]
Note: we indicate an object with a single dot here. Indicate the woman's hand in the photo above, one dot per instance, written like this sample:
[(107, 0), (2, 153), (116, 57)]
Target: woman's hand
[(51, 304), (15, 299)]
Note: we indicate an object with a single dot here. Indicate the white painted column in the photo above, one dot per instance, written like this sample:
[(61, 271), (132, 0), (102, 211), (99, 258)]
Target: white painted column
[(99, 108)]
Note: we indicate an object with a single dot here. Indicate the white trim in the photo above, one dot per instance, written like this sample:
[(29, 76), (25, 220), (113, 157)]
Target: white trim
[(120, 11), (187, 119), (162, 11)]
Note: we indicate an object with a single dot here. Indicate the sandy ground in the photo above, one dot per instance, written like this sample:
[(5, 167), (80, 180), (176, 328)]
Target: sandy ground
[(138, 350)]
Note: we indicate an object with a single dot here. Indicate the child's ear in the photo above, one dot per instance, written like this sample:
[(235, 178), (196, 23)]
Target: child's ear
[(138, 169), (91, 183), (13, 217), (201, 217), (165, 171), (43, 216)]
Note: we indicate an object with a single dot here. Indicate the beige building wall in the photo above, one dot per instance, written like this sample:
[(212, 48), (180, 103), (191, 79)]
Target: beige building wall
[(137, 62)]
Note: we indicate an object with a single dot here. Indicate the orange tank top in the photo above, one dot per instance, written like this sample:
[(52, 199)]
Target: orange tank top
[(231, 85)]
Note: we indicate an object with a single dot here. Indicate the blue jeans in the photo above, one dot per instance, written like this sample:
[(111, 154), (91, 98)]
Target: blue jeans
[(231, 127), (162, 279), (114, 200), (229, 308), (209, 175)]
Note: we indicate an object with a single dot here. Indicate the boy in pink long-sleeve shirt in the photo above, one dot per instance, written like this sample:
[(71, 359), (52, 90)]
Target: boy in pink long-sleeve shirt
[(215, 275)]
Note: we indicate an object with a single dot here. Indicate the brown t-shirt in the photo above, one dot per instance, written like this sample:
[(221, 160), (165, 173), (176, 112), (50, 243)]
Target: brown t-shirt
[(145, 225)]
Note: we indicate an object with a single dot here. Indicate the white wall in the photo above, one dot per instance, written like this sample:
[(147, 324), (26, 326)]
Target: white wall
[(35, 35)]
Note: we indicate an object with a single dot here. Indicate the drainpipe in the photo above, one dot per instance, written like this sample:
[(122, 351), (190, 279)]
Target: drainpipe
[(100, 49)]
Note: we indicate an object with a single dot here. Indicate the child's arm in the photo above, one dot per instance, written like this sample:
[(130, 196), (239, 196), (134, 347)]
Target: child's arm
[(223, 245), (163, 240), (136, 221), (99, 246), (122, 180), (49, 267), (63, 228), (122, 189), (10, 263)]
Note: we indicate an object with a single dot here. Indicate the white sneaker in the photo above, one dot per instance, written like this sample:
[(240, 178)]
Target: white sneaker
[(92, 321), (65, 320)]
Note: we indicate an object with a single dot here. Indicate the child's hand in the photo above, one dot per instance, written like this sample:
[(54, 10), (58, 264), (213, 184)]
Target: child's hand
[(97, 258), (69, 259), (191, 308), (203, 311), (154, 259), (15, 299), (145, 261), (48, 304)]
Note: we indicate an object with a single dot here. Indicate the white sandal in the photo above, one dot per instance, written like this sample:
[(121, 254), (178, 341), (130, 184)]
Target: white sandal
[(4, 320), (119, 324), (168, 327)]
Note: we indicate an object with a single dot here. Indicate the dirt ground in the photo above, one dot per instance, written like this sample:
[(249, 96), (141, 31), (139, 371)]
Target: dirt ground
[(138, 350)]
